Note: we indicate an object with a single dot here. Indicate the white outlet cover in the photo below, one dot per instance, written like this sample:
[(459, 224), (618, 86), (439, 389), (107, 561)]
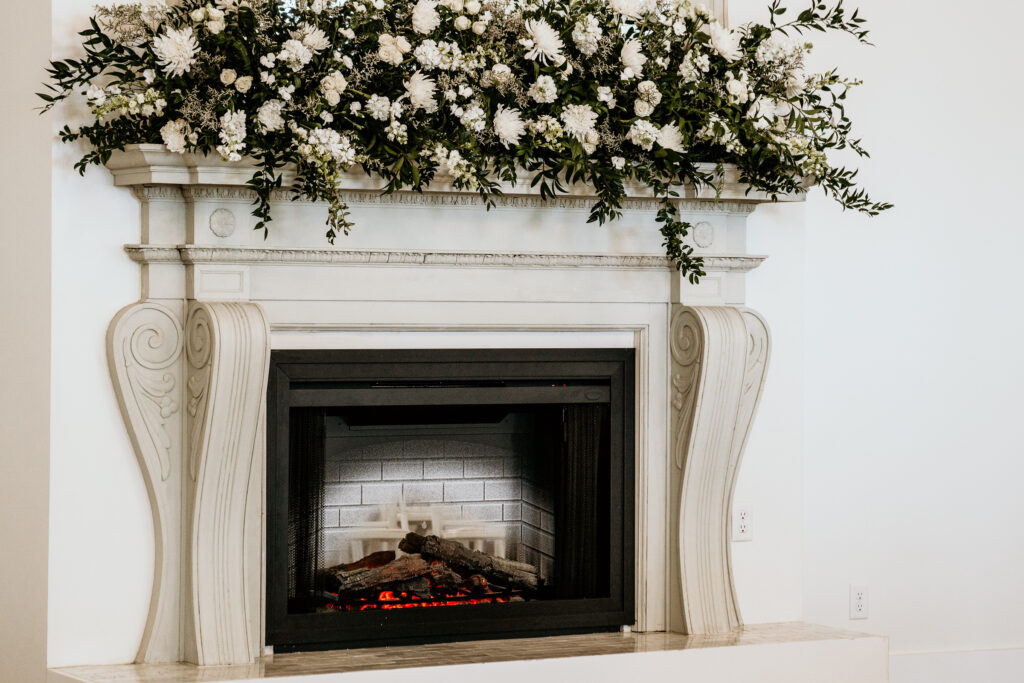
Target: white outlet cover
[(742, 523), (858, 601)]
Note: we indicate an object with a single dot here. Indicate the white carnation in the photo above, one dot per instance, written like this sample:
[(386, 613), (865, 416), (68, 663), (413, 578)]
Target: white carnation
[(579, 121), (725, 42), (508, 126), (295, 54), (176, 50), (643, 134), (425, 17), (268, 116), (173, 135)]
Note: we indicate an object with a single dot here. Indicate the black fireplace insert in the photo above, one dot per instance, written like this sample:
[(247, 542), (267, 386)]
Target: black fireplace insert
[(436, 495)]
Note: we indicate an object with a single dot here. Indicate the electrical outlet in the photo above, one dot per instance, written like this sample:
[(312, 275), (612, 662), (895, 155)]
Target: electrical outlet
[(858, 602), (742, 523)]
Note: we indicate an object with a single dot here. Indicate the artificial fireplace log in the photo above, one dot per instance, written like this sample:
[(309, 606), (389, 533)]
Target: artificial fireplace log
[(505, 572), (404, 568)]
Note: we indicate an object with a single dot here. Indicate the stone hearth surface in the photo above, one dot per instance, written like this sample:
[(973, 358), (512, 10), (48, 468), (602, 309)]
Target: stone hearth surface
[(453, 654)]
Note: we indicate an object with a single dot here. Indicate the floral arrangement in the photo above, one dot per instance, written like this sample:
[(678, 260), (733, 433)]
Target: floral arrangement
[(590, 91)]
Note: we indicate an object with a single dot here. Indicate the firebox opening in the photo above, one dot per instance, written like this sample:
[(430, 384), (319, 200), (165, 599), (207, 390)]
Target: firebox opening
[(504, 495)]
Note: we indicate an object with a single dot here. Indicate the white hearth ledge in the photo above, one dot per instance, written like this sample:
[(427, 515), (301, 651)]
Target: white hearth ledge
[(189, 360)]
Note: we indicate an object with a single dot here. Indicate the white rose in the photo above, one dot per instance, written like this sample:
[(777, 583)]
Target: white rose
[(473, 6), (479, 27), (243, 84), (215, 27), (462, 23), (333, 97), (198, 14), (228, 76), (643, 108)]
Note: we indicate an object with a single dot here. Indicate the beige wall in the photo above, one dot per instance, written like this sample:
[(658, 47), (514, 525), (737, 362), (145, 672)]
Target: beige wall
[(24, 346)]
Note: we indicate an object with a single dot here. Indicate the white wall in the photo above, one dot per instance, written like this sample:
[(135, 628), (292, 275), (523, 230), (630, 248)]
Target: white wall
[(913, 456), (24, 347)]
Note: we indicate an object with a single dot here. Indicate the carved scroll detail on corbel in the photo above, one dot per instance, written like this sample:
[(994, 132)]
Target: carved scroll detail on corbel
[(228, 349), (719, 359), (144, 345)]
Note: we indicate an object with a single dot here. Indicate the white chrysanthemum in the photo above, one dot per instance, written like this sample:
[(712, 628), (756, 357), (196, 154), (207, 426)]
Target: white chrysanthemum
[(630, 9), (176, 50), (643, 134), (670, 137), (508, 126), (392, 48), (579, 121), (421, 89), (632, 57), (268, 116), (425, 17), (312, 37), (586, 34), (544, 90), (173, 135), (547, 46), (725, 42), (379, 107), (295, 54)]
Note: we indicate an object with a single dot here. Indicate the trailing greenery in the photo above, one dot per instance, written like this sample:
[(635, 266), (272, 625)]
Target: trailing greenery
[(599, 92)]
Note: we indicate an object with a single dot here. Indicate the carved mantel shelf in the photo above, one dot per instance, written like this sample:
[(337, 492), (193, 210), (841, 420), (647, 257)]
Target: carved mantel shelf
[(189, 360)]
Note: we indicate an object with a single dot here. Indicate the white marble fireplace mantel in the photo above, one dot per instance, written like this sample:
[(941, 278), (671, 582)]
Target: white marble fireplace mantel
[(189, 360)]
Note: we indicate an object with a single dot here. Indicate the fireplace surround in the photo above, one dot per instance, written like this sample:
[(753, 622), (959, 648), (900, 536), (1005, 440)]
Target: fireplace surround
[(190, 363)]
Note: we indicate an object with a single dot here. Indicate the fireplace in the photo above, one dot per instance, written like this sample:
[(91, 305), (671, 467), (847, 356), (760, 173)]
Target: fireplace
[(438, 495)]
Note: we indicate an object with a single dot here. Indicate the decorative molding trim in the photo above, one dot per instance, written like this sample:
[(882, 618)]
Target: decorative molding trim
[(719, 359), (192, 255), (228, 351), (144, 345)]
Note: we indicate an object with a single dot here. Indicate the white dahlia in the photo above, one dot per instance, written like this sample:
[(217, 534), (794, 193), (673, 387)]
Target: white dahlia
[(546, 45), (579, 121), (176, 50), (425, 17), (508, 126), (421, 89)]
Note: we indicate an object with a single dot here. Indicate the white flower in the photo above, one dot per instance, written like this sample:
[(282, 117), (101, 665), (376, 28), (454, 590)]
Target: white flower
[(392, 48), (579, 121), (397, 132), (737, 89), (462, 23), (295, 54), (643, 134), (642, 108), (586, 34), (670, 137), (501, 74), (796, 82), (176, 50), (473, 7), (216, 26), (693, 66), (312, 37), (473, 118), (547, 127), (153, 13), (479, 27), (454, 5), (228, 76), (324, 144), (173, 135), (725, 42), (232, 135), (268, 116), (763, 112), (149, 75), (332, 85), (544, 90), (425, 17), (443, 55), (604, 94), (348, 33), (630, 9), (355, 108), (547, 46), (632, 58), (618, 163), (379, 107), (421, 89), (243, 83), (508, 126)]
